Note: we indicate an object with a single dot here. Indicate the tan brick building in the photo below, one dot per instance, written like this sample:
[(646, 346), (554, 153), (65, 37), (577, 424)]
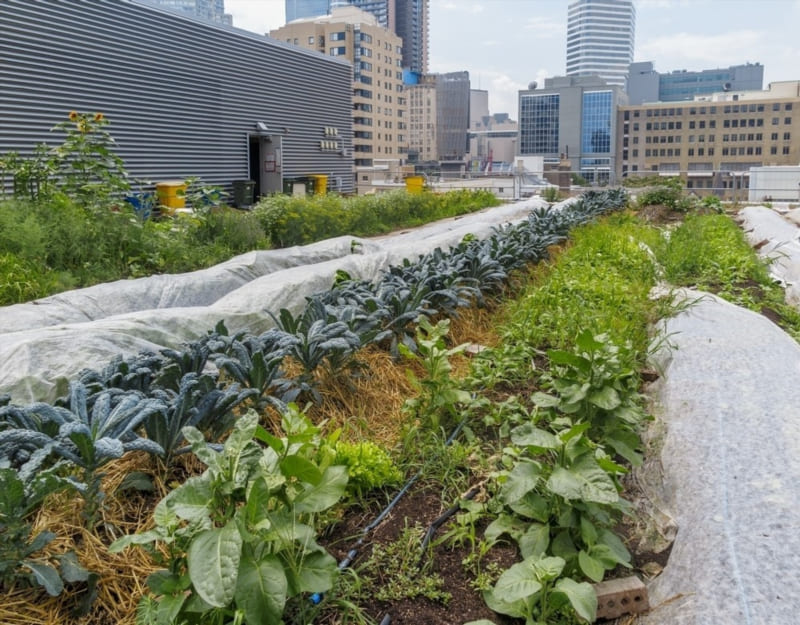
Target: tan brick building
[(712, 141), (422, 119), (379, 108)]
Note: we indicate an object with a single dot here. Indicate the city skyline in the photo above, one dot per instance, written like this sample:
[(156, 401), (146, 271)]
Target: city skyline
[(506, 44)]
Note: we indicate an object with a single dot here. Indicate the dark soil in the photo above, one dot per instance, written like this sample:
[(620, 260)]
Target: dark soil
[(420, 507)]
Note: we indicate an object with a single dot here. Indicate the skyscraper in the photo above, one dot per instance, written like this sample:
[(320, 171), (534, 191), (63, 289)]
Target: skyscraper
[(412, 27), (297, 9), (600, 35), (406, 18)]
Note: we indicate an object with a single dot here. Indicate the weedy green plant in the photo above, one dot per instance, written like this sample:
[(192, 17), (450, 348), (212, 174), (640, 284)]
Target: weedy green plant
[(551, 194), (392, 571), (240, 538), (440, 396)]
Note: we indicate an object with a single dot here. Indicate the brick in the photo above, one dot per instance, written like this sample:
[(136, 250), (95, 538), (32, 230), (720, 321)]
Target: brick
[(615, 597)]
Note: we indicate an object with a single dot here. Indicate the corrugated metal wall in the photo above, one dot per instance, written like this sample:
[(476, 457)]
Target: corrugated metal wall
[(181, 94)]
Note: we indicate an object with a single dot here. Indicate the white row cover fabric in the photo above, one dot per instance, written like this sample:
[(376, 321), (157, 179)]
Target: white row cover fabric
[(776, 237), (728, 398), (46, 343)]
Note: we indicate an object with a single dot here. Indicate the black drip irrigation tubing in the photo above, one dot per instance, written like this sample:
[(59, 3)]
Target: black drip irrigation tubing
[(316, 598)]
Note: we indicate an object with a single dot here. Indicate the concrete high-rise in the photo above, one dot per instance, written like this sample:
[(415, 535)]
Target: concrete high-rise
[(379, 107), (406, 18), (600, 36)]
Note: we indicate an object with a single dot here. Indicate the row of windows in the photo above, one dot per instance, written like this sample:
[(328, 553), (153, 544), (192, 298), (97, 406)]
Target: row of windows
[(702, 110), (726, 151)]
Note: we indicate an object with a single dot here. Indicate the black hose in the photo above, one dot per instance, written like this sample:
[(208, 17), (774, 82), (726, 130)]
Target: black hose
[(433, 527)]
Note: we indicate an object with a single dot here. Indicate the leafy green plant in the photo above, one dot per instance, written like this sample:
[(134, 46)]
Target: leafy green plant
[(535, 591), (93, 431), (240, 538), (439, 395), (560, 497), (597, 384), (198, 402), (368, 466), (22, 562)]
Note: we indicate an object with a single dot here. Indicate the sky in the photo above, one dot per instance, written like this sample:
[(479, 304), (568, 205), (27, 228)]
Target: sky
[(506, 44)]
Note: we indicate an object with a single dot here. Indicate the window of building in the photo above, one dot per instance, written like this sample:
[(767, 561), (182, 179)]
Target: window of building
[(773, 150), (785, 149), (691, 125), (538, 124), (726, 123), (338, 51), (596, 122), (734, 123), (724, 151), (751, 123), (340, 36), (690, 152), (678, 125), (787, 136), (700, 152), (712, 123), (647, 153), (776, 106), (635, 140), (759, 136), (787, 106), (787, 120), (691, 138), (711, 151), (311, 40), (635, 153), (725, 138), (758, 150), (775, 121), (711, 138)]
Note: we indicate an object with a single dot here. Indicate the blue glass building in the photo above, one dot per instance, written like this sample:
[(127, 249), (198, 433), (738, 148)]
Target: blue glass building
[(572, 118)]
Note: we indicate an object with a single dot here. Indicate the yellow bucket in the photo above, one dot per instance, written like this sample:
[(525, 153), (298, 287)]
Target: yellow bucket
[(171, 194), (415, 184), (320, 183)]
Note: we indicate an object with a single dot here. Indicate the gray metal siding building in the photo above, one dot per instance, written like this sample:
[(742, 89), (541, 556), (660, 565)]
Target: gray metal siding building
[(184, 97)]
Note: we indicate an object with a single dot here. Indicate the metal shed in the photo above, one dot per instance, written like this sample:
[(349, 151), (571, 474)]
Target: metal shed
[(184, 97)]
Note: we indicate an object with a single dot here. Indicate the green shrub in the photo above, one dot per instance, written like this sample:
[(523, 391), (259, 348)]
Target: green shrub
[(664, 194), (301, 220), (22, 280)]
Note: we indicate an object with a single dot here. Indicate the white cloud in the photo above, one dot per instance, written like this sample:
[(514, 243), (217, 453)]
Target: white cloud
[(545, 27), (701, 50), (472, 8)]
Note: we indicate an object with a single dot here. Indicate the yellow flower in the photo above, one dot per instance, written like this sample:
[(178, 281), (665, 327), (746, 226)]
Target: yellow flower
[(98, 117), (82, 126), (73, 115)]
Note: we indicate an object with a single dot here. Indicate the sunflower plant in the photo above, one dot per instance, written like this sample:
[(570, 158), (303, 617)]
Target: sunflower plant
[(85, 163)]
